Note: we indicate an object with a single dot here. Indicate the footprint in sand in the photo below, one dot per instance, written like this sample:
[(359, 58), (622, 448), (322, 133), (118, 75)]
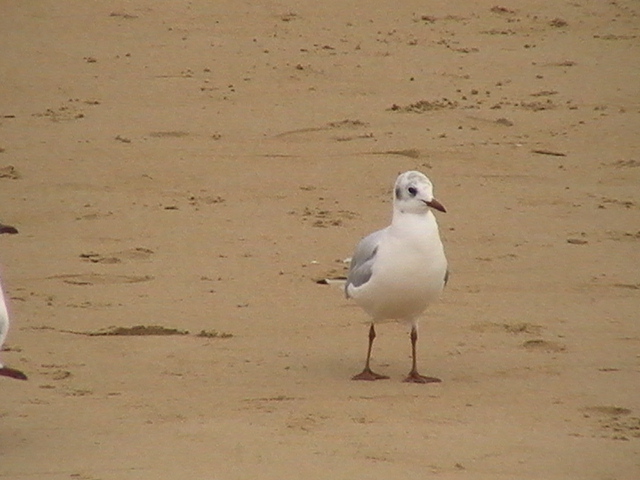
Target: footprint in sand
[(513, 328), (100, 279), (352, 127), (169, 134), (545, 346), (9, 172), (138, 253), (322, 218), (614, 422)]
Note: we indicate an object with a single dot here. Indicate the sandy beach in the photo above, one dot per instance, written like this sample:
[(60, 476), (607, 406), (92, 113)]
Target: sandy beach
[(183, 174)]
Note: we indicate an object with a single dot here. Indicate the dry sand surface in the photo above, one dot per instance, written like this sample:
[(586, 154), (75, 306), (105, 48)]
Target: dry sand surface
[(193, 166)]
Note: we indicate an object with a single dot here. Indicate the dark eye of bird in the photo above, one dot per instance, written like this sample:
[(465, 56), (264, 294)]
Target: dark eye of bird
[(413, 191)]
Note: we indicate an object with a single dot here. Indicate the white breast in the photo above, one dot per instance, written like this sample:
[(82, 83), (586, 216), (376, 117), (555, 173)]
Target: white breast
[(408, 273)]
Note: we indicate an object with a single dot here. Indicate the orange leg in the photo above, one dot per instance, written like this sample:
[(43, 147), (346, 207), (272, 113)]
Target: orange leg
[(414, 376), (367, 373)]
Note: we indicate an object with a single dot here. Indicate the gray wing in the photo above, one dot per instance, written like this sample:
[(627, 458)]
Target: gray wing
[(362, 261)]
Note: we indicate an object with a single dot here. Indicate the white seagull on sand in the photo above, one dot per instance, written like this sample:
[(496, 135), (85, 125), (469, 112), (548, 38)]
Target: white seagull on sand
[(398, 271), (4, 328)]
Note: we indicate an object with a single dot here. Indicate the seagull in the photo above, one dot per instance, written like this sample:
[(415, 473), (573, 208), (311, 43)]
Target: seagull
[(396, 272), (4, 328)]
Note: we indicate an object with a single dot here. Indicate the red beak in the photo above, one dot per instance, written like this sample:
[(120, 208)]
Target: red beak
[(13, 373), (437, 205)]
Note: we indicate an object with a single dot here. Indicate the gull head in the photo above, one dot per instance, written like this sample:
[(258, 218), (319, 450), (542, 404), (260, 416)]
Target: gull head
[(413, 193)]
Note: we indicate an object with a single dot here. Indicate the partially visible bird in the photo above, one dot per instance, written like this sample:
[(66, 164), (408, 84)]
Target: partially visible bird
[(4, 329), (398, 271)]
